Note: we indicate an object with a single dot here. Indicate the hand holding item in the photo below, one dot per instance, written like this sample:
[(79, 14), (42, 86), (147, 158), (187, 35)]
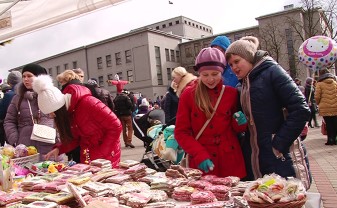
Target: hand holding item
[(206, 165), (240, 118), (52, 154)]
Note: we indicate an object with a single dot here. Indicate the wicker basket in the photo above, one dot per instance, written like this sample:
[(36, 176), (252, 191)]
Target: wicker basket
[(21, 161), (292, 204)]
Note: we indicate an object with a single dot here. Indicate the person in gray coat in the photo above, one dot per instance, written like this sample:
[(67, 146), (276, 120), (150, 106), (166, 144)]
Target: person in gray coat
[(18, 122), (13, 79)]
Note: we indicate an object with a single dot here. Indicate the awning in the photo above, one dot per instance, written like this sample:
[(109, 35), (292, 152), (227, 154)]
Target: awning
[(18, 17)]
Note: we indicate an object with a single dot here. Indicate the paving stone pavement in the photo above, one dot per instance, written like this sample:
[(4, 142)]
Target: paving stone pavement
[(322, 158)]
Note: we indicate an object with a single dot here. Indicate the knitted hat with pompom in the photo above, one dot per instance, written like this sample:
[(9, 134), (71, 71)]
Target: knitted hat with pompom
[(49, 98)]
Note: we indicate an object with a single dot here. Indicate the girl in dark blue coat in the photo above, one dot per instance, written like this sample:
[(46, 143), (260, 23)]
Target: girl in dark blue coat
[(267, 90)]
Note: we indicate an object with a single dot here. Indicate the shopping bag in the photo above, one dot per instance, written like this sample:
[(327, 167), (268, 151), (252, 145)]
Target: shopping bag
[(323, 128)]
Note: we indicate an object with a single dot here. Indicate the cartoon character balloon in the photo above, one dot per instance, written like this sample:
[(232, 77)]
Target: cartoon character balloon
[(318, 52)]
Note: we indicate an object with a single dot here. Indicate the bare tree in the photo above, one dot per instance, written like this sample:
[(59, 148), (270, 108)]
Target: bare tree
[(319, 18), (272, 39)]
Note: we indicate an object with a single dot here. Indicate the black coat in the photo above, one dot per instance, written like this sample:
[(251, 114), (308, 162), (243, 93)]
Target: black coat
[(171, 106), (271, 90)]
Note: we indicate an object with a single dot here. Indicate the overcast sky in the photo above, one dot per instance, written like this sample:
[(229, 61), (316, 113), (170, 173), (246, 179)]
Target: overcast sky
[(221, 15)]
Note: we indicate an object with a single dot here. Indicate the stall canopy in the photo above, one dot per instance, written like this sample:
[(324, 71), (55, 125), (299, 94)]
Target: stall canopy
[(18, 17)]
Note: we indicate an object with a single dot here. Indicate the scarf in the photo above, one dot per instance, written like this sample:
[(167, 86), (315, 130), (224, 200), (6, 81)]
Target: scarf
[(246, 107)]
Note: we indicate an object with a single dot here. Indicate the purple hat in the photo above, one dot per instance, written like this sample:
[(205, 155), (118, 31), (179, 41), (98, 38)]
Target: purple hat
[(210, 59)]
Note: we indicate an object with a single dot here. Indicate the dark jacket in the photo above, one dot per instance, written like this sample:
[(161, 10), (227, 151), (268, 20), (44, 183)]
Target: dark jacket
[(272, 89), (171, 106), (123, 105), (312, 101)]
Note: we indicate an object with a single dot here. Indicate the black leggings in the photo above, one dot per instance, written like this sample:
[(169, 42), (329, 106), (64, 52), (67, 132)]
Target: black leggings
[(331, 126)]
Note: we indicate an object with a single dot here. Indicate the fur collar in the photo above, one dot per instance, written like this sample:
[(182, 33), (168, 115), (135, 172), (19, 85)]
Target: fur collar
[(184, 82)]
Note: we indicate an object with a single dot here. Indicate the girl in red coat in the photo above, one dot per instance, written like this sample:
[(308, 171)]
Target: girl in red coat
[(82, 120), (217, 151)]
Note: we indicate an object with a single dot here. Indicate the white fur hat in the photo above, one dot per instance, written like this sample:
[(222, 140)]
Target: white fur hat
[(49, 98)]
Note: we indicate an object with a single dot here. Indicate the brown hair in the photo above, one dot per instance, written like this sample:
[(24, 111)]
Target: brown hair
[(203, 100), (62, 122)]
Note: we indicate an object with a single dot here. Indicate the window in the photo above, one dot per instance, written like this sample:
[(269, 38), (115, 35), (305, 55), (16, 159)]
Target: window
[(66, 66), (108, 60), (75, 65), (101, 81), (167, 54), (193, 24), (188, 52), (110, 77), (99, 63), (164, 25), (129, 74), (157, 28), (237, 36), (57, 70), (128, 56), (196, 48), (177, 22), (170, 24), (118, 58), (178, 56), (172, 55), (169, 74), (158, 65), (50, 71), (120, 74)]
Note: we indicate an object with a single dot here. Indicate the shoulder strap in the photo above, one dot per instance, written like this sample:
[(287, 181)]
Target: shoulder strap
[(215, 108), (31, 112)]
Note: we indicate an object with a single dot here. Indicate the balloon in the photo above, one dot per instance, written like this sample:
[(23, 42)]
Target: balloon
[(318, 52)]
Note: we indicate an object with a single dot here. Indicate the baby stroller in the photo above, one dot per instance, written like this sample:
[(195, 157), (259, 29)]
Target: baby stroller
[(141, 123)]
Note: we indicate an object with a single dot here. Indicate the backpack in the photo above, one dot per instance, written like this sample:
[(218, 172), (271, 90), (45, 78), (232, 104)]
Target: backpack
[(123, 105)]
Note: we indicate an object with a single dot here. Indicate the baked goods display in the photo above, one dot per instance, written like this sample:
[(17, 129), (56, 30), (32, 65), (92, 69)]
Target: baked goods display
[(135, 185), (275, 191)]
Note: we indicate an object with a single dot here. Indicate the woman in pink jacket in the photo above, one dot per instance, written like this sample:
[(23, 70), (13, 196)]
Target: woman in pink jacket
[(82, 120), (217, 151)]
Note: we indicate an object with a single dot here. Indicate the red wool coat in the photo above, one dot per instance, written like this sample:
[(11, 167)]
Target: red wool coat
[(93, 125), (219, 141)]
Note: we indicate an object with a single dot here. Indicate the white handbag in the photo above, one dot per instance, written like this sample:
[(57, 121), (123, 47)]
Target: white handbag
[(42, 133)]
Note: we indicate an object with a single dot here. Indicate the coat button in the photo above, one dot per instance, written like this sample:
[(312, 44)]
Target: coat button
[(211, 126), (214, 154)]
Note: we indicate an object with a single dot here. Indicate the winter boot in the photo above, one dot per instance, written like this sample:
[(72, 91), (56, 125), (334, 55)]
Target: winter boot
[(330, 141)]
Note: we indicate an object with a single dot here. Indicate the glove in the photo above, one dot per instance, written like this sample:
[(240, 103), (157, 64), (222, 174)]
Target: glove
[(240, 118), (206, 165)]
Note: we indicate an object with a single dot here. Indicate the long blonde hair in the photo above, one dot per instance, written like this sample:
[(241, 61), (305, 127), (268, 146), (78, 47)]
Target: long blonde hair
[(203, 100)]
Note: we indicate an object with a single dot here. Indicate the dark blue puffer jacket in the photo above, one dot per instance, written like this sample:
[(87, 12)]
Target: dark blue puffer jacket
[(271, 90)]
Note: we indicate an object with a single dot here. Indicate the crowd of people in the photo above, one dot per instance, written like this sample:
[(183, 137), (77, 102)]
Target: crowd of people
[(229, 115)]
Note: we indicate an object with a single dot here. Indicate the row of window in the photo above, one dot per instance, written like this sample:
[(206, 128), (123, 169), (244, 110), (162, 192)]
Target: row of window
[(172, 55), (65, 67), (187, 23), (118, 59), (198, 26), (169, 24)]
